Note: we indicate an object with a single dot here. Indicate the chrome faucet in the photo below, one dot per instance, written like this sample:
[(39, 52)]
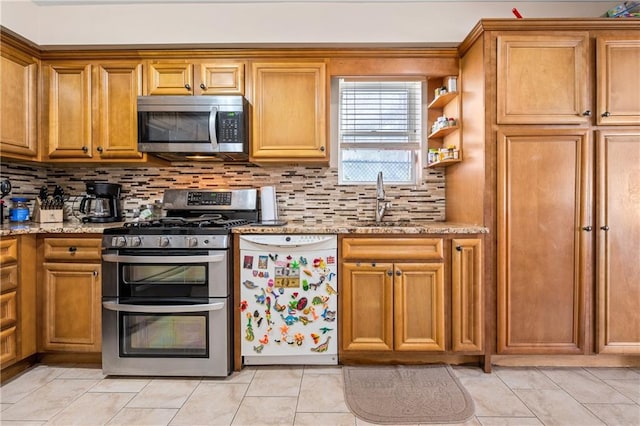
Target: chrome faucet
[(381, 205)]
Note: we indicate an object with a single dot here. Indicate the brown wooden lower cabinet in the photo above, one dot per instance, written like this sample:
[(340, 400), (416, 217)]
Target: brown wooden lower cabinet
[(17, 299), (467, 311), (405, 306), (543, 240), (617, 231), (71, 293), (393, 306), (418, 311)]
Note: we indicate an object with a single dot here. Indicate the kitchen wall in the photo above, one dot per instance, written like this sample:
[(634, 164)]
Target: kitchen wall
[(95, 22), (304, 193)]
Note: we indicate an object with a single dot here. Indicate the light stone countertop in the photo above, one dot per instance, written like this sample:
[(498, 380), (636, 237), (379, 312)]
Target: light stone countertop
[(364, 227), (72, 227), (292, 227)]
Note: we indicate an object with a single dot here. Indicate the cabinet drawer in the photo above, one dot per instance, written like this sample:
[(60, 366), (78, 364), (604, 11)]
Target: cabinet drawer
[(8, 311), (72, 248), (8, 251), (8, 277), (394, 249), (8, 348)]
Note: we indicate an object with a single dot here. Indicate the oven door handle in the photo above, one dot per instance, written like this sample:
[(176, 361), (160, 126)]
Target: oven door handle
[(162, 309), (114, 258)]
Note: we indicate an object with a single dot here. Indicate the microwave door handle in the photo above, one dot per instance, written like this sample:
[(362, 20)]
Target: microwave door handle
[(162, 309), (213, 128)]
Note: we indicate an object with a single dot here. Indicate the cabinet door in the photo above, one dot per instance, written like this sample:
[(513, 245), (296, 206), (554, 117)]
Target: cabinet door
[(419, 307), (220, 78), (117, 88), (542, 79), (289, 112), (69, 110), (8, 251), (466, 295), (543, 251), (618, 241), (367, 307), (71, 310), (169, 78), (618, 84), (8, 346), (18, 91)]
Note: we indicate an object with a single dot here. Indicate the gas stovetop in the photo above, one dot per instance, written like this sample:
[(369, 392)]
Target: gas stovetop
[(204, 221), (199, 213)]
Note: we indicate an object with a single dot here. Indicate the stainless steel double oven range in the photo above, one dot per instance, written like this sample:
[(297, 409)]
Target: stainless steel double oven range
[(167, 289)]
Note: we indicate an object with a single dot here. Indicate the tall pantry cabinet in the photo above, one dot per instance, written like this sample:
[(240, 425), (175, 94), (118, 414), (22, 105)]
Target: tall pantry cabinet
[(552, 130)]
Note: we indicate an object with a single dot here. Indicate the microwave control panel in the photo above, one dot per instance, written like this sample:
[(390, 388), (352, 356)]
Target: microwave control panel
[(230, 127)]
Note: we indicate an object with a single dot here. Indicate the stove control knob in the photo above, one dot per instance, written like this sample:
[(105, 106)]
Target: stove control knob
[(135, 242), (118, 242), (164, 241), (192, 242)]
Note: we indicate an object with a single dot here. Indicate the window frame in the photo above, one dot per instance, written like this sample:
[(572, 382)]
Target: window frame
[(415, 149)]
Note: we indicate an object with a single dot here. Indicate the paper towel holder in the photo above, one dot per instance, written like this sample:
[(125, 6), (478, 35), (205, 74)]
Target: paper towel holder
[(269, 208)]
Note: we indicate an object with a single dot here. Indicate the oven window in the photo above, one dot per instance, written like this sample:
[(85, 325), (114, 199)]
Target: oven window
[(168, 280), (164, 274), (164, 335)]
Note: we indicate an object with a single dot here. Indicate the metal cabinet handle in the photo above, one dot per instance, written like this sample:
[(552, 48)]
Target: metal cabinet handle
[(605, 227), (459, 248), (99, 149), (187, 86), (398, 272), (203, 86), (73, 249), (605, 114), (322, 148), (390, 273), (373, 264), (95, 273), (587, 113), (587, 228), (85, 149)]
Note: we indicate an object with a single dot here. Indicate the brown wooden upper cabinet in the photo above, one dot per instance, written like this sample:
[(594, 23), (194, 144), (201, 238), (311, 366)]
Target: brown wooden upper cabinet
[(18, 104), (546, 79), (289, 112), (618, 80), (543, 79), (90, 111), (195, 78)]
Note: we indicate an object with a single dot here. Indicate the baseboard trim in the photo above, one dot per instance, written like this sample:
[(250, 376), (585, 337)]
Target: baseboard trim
[(565, 360)]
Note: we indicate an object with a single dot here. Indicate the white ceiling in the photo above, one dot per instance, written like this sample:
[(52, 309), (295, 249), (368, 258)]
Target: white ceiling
[(267, 22)]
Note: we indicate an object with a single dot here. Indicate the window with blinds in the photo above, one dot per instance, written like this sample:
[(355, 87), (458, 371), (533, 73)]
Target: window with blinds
[(379, 129)]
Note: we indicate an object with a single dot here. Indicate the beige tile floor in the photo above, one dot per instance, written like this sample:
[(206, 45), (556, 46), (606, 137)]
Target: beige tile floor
[(82, 395)]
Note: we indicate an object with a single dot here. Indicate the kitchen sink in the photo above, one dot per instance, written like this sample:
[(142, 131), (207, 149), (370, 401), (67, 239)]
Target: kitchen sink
[(374, 224)]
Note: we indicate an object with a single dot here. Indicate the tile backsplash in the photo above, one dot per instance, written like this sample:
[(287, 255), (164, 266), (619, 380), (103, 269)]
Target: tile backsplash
[(309, 193)]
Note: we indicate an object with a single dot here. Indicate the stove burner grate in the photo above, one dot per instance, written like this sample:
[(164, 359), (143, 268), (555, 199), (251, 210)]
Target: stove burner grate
[(204, 221)]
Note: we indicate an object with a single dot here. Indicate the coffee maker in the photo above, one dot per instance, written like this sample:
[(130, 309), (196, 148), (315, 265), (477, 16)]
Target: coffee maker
[(102, 202)]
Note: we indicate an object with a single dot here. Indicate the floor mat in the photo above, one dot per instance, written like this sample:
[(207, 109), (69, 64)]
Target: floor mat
[(406, 394)]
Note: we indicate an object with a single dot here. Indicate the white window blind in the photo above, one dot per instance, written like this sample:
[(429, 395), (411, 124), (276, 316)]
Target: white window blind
[(380, 129)]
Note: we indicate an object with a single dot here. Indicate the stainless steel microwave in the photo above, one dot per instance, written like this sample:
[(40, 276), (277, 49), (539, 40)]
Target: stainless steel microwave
[(185, 127)]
